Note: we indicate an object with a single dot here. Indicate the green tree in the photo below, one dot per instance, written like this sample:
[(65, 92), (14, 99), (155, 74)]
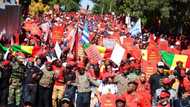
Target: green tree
[(70, 5), (104, 6), (173, 15)]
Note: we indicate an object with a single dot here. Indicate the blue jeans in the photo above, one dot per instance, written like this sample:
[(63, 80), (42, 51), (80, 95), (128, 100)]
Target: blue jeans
[(29, 93), (83, 99)]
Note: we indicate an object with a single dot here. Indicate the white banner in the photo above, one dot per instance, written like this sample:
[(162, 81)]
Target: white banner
[(117, 54)]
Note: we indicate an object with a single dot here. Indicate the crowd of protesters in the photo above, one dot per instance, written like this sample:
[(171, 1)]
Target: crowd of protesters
[(72, 81)]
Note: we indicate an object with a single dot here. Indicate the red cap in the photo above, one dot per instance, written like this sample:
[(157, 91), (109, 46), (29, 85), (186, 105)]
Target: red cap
[(166, 81), (6, 62), (164, 94)]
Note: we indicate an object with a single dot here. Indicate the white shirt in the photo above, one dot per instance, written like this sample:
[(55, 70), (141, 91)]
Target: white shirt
[(107, 88)]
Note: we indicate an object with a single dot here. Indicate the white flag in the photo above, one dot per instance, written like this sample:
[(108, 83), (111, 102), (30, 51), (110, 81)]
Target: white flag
[(58, 50), (117, 54)]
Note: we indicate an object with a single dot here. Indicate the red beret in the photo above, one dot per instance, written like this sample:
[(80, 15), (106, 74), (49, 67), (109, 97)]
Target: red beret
[(164, 94), (6, 62)]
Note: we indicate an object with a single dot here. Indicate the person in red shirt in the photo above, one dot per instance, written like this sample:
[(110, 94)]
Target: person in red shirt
[(131, 96), (59, 85), (164, 99), (144, 91), (120, 102), (186, 85), (108, 100)]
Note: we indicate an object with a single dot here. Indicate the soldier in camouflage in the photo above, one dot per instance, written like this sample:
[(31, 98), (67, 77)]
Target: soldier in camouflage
[(15, 87)]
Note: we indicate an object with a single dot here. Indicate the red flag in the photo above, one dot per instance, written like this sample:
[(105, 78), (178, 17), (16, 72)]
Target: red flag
[(17, 38), (148, 67), (153, 54), (57, 33), (75, 46)]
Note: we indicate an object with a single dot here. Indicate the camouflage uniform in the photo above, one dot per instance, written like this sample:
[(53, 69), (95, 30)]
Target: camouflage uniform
[(15, 88)]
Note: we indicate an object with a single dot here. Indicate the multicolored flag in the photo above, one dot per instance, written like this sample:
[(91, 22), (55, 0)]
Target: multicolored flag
[(32, 50), (170, 59)]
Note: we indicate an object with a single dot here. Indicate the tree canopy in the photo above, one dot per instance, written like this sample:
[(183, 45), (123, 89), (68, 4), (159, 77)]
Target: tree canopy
[(70, 5), (173, 15)]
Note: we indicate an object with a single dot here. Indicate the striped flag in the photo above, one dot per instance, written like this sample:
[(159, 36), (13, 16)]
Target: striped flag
[(171, 59), (85, 34), (31, 50)]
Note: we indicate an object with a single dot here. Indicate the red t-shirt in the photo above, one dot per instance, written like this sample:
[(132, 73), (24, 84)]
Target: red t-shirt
[(132, 100), (108, 100), (59, 75), (143, 91)]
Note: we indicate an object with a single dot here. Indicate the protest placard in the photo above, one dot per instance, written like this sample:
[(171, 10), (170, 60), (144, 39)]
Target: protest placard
[(93, 54), (117, 54)]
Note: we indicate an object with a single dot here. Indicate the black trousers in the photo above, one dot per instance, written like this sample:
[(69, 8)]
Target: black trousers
[(44, 97), (4, 92)]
